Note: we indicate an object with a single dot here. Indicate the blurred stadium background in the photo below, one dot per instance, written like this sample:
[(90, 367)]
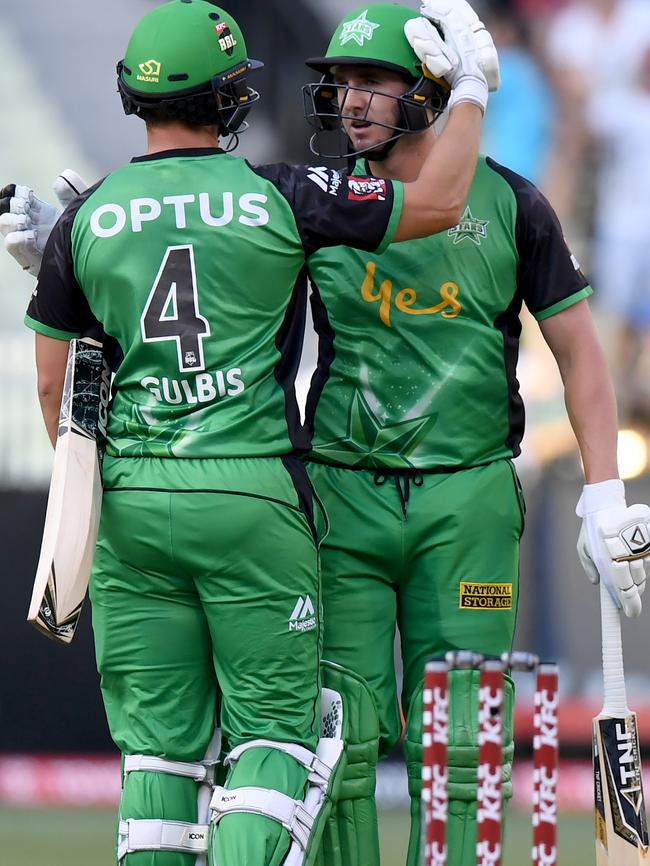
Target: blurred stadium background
[(575, 125)]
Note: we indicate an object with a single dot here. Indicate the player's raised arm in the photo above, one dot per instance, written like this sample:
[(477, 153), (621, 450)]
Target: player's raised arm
[(466, 58)]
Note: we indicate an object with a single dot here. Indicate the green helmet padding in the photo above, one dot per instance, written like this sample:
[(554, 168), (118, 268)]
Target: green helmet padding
[(181, 46), (373, 35)]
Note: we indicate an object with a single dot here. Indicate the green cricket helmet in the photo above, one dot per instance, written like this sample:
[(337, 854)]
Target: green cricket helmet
[(372, 35), (187, 60)]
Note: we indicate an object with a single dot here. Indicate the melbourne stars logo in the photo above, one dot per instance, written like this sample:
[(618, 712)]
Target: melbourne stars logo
[(358, 30), (469, 228)]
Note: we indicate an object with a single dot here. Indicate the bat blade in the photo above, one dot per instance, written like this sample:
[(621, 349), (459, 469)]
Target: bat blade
[(620, 814), (74, 501)]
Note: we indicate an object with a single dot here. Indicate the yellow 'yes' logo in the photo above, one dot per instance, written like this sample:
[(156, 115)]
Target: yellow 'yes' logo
[(449, 306)]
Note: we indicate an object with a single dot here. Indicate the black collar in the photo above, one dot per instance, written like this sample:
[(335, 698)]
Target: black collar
[(179, 151)]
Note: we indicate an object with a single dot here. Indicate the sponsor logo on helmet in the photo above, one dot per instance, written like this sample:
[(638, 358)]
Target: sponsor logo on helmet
[(150, 71), (358, 30), (227, 41), (235, 73), (366, 189), (469, 228)]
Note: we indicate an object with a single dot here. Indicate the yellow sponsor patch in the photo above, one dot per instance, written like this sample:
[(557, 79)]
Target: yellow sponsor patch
[(485, 596)]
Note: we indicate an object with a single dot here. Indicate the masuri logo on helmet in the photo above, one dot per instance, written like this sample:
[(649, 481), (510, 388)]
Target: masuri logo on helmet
[(150, 71)]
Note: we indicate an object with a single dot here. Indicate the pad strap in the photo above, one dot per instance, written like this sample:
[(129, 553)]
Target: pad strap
[(149, 763), (266, 802), (156, 835), (319, 771)]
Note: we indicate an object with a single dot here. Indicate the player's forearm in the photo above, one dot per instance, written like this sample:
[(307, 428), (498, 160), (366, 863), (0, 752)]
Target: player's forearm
[(51, 360), (434, 202), (591, 405), (588, 389), (50, 408)]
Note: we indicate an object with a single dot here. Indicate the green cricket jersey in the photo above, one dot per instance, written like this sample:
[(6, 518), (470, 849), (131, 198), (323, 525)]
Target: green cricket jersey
[(418, 345), (192, 264)]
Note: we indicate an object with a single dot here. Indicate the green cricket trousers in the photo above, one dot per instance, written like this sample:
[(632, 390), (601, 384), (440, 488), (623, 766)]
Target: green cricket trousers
[(435, 555), (205, 594)]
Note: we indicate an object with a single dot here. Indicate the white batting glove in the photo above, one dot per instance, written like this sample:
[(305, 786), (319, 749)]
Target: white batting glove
[(67, 186), (26, 221), (438, 57), (456, 16), (470, 41), (614, 542)]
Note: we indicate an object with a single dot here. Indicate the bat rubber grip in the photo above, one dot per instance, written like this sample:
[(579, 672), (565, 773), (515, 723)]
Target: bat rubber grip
[(615, 703)]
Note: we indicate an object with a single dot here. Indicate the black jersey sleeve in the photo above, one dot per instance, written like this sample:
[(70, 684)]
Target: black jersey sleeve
[(332, 209), (548, 275), (58, 307)]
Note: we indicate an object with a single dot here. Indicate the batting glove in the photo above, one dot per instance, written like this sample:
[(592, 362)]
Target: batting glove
[(478, 67), (438, 57), (26, 221), (614, 543)]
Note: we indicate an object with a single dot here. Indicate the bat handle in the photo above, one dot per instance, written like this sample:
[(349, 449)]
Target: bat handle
[(615, 703)]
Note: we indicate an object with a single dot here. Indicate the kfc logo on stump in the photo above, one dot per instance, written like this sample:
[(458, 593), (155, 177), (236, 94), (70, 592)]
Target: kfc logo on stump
[(366, 189)]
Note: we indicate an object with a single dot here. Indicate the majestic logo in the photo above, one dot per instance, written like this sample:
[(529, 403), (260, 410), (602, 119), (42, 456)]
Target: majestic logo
[(358, 30), (150, 71), (469, 228), (366, 189), (488, 596), (227, 41), (327, 179), (303, 617)]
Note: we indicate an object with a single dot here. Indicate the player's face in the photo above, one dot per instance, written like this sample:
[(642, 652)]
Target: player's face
[(369, 102)]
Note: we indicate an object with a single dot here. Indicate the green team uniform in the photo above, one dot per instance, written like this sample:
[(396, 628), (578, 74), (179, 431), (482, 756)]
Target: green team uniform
[(416, 415), (191, 264)]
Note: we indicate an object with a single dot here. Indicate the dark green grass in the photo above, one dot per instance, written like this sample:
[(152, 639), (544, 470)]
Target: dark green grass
[(576, 840), (60, 837)]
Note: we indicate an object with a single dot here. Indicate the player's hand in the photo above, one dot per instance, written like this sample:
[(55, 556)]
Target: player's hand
[(436, 55), (614, 543), (26, 221), (67, 186), (478, 67), (466, 33)]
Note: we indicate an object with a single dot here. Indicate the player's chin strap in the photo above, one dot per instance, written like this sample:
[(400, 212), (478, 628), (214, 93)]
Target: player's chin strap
[(142, 834), (299, 817)]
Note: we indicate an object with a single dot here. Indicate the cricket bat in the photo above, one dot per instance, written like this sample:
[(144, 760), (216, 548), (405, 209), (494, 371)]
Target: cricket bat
[(620, 815), (75, 496)]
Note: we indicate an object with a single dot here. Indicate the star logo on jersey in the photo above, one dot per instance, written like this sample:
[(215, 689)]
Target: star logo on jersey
[(373, 442), (469, 228), (358, 30)]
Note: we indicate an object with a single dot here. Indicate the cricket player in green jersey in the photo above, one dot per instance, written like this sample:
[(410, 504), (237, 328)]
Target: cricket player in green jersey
[(190, 264), (416, 417)]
